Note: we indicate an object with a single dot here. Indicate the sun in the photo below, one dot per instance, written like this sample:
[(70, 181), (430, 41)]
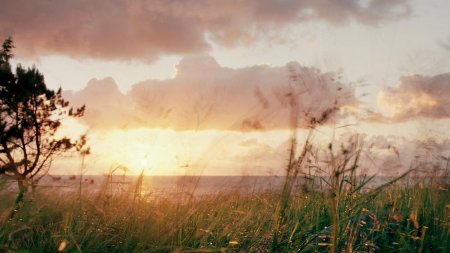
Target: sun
[(145, 163)]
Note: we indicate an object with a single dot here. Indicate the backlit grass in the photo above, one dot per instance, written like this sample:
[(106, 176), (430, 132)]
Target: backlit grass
[(399, 218)]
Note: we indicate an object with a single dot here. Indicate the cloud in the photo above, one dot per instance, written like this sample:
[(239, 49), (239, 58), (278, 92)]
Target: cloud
[(423, 155), (126, 29), (446, 44), (417, 96), (107, 106), (205, 95)]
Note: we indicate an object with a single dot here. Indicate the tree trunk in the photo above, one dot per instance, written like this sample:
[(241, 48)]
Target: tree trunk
[(23, 188)]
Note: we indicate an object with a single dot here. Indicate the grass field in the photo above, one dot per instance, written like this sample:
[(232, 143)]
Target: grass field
[(400, 217)]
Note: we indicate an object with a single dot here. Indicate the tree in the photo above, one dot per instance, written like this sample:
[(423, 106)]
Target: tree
[(31, 115)]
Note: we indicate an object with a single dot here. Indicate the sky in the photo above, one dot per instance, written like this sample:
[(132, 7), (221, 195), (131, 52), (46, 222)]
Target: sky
[(200, 87)]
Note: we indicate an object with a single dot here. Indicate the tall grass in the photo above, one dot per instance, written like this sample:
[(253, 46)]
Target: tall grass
[(399, 218)]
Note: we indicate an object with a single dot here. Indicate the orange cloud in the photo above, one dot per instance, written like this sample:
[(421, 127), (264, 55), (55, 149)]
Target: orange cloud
[(418, 96), (205, 95), (124, 29)]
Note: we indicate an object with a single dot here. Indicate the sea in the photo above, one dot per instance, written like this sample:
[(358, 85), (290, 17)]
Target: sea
[(196, 186)]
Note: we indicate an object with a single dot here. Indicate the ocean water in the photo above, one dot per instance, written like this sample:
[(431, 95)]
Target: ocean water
[(164, 185), (190, 185)]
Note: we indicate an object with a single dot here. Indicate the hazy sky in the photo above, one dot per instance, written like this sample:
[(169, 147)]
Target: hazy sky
[(169, 83)]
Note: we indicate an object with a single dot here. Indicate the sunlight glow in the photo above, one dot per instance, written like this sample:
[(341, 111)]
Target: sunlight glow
[(145, 164)]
